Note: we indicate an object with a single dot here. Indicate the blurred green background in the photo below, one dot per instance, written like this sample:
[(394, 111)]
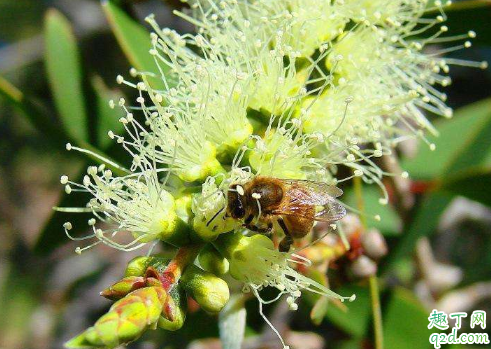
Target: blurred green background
[(58, 63)]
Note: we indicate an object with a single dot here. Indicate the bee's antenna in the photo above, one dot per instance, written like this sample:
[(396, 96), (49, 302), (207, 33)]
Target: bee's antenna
[(257, 196), (215, 216)]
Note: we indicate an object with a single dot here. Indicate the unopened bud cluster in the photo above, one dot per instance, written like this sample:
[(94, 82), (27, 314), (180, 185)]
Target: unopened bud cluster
[(143, 302)]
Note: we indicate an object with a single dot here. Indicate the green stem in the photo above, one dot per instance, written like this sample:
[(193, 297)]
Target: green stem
[(184, 256), (377, 312), (374, 289)]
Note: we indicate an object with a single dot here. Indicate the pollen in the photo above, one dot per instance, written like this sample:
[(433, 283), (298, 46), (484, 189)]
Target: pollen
[(240, 190)]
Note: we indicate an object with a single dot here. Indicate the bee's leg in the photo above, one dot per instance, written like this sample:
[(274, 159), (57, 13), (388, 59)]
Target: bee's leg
[(287, 241), (257, 229), (285, 244), (248, 220), (248, 224)]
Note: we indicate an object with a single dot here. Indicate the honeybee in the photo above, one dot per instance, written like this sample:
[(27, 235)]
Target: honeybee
[(294, 204)]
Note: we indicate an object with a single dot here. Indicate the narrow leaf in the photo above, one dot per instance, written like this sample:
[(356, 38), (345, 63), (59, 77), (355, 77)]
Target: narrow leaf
[(34, 113), (133, 38), (353, 317), (474, 186), (463, 144), (423, 224), (319, 310), (65, 74), (40, 119), (406, 322), (107, 118), (389, 223)]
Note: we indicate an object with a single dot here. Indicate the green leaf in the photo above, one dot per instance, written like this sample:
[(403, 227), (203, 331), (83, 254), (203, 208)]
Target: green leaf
[(463, 145), (474, 186), (42, 122), (390, 223), (20, 293), (461, 163), (469, 15), (38, 117), (406, 322), (319, 310), (65, 75), (423, 224), (52, 234), (351, 344), (354, 316), (320, 303), (231, 323), (133, 38), (107, 118)]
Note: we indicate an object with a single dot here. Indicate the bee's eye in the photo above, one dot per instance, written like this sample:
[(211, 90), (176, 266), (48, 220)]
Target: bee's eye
[(238, 211)]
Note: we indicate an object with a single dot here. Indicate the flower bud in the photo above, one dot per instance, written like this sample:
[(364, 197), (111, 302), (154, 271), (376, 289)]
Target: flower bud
[(363, 267), (212, 261), (281, 144), (139, 265), (175, 308), (209, 291), (123, 287), (208, 166), (183, 207), (180, 236), (125, 321), (247, 255), (229, 146), (374, 244)]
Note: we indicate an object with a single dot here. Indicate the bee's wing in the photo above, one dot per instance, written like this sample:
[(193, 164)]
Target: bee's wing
[(302, 194), (329, 212), (310, 192)]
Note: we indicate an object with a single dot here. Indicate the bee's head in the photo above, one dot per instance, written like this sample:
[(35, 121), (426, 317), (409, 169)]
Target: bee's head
[(235, 198)]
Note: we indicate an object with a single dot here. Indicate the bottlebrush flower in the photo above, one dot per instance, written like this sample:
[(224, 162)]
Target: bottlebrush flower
[(172, 138), (254, 45), (306, 24), (396, 60), (382, 46), (255, 262), (135, 204), (389, 13), (209, 208), (207, 90), (285, 152)]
